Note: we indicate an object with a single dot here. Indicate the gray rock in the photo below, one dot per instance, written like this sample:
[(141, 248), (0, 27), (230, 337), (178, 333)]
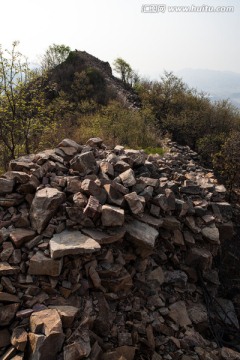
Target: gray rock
[(150, 220), (73, 184), (211, 233), (72, 243), (135, 202), (198, 313), (105, 237), (114, 196), (18, 176), (70, 143), (107, 168), (178, 313), (176, 277), (95, 142), (141, 234), (112, 216), (6, 186), (138, 156), (84, 163), (93, 207), (128, 178), (44, 206), (226, 312), (90, 187), (80, 200), (199, 257), (225, 209), (171, 223)]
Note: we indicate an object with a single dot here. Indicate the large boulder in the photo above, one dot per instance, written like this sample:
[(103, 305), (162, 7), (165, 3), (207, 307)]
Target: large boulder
[(44, 206)]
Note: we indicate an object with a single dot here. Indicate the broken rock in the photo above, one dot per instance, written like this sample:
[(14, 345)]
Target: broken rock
[(21, 236), (112, 215), (141, 234), (43, 265), (71, 243), (178, 313), (44, 206)]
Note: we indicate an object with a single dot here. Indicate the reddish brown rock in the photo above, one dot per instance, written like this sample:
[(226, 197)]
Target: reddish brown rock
[(43, 347), (19, 338), (46, 322), (5, 297), (7, 250), (66, 313), (42, 265), (93, 207), (5, 338), (7, 313), (6, 269), (80, 348), (21, 236)]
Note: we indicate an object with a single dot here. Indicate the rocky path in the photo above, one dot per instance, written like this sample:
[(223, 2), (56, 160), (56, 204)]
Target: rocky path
[(109, 254)]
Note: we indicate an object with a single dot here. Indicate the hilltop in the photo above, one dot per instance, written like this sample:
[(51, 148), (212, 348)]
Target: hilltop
[(112, 87)]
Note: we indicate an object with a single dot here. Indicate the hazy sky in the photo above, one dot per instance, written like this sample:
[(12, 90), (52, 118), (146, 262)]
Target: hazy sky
[(108, 29)]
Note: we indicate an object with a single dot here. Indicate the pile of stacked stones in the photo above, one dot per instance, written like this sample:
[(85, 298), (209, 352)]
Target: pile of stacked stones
[(100, 251)]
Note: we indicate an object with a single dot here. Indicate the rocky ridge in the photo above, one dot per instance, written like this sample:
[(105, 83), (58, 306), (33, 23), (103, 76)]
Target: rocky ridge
[(109, 254), (80, 60)]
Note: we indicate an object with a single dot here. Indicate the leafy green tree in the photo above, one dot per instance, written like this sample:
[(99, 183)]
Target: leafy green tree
[(22, 103), (127, 74), (227, 161), (54, 55)]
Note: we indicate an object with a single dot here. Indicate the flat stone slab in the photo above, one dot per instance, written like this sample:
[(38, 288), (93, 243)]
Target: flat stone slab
[(150, 220), (72, 243), (21, 236), (103, 237), (6, 269), (6, 297), (141, 233)]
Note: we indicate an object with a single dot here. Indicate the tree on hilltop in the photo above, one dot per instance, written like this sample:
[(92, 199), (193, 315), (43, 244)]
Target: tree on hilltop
[(127, 74), (54, 55)]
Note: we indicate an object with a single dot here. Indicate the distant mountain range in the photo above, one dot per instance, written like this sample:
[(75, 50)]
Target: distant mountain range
[(218, 84)]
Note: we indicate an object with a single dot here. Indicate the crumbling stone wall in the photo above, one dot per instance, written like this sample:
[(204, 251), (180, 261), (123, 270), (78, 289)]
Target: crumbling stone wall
[(108, 254)]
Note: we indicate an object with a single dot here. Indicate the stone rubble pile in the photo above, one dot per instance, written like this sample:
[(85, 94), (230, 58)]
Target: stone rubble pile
[(100, 252)]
